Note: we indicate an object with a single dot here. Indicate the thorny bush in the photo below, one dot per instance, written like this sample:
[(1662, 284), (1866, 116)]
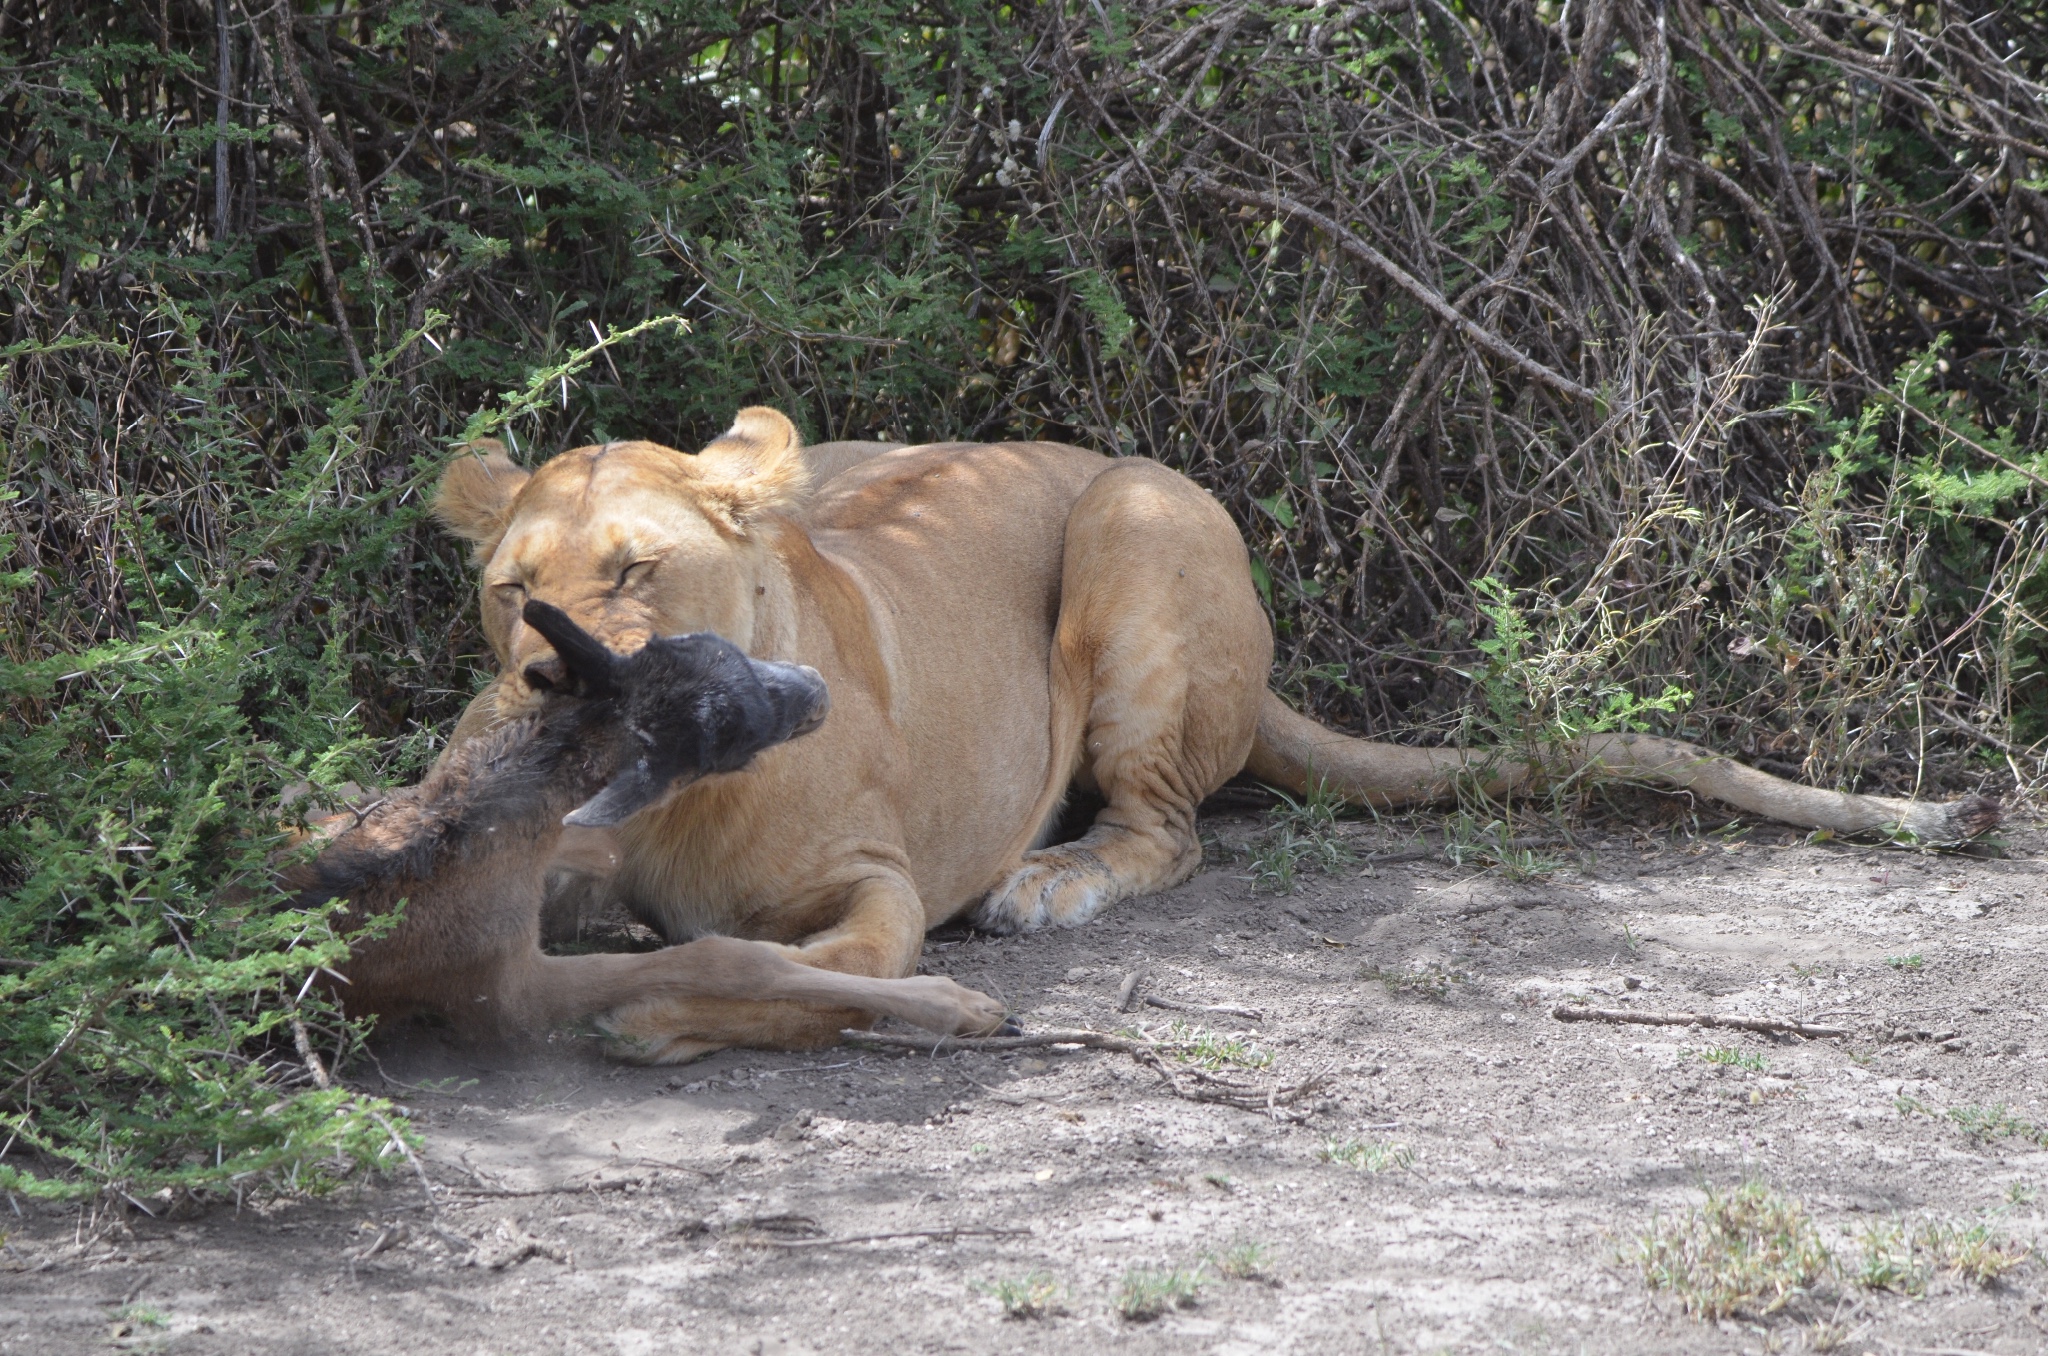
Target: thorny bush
[(1711, 336)]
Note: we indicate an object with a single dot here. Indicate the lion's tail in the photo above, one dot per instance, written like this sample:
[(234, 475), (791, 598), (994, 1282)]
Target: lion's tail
[(1290, 751)]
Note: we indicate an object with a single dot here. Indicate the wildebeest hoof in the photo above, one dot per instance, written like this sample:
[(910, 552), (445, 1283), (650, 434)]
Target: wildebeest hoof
[(938, 1004)]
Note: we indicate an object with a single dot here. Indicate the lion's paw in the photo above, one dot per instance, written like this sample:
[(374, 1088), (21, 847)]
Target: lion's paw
[(1056, 887)]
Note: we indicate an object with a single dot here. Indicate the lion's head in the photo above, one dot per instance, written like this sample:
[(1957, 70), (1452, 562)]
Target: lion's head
[(630, 539)]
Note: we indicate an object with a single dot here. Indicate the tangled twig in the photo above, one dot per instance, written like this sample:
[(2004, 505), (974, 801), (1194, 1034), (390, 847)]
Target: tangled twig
[(1293, 1101)]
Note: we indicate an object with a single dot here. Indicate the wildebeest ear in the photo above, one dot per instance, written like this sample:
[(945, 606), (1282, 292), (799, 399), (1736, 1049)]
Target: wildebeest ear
[(475, 496), (592, 669), (754, 466)]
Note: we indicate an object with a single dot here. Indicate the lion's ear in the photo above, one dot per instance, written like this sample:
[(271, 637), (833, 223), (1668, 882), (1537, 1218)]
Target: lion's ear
[(756, 465), (475, 496)]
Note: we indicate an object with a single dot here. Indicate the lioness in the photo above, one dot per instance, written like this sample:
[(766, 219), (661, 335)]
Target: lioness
[(996, 623)]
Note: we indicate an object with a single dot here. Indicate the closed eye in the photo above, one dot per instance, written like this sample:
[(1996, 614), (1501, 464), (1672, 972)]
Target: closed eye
[(635, 573), (510, 588)]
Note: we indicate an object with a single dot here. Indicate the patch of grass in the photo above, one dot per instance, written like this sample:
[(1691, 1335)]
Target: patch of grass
[(1986, 1123), (1729, 1056), (1829, 1334), (1212, 1050), (1887, 1261), (1493, 847), (141, 1316), (1746, 1248), (1974, 1252), (1912, 962), (1432, 981), (2019, 1193), (1300, 835), (1032, 1296), (1900, 1258), (1244, 1262), (1145, 1295), (1367, 1155)]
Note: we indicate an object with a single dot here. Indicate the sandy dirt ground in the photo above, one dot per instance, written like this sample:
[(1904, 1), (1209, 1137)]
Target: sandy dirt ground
[(1520, 1159)]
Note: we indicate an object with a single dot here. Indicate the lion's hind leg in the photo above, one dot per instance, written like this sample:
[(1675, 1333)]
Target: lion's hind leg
[(1163, 644)]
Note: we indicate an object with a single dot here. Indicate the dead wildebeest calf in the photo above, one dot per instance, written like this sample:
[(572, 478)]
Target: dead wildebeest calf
[(466, 848)]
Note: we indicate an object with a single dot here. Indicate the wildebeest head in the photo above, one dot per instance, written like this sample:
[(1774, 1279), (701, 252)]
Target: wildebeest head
[(690, 706)]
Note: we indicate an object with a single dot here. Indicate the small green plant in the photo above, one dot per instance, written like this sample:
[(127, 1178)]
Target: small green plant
[(1912, 962), (1745, 1248), (1887, 1261), (1299, 835), (1245, 1262), (1032, 1296), (2019, 1193), (1336, 675), (1728, 1056), (1145, 1295), (1432, 981), (1211, 1050), (1974, 1252), (141, 1316), (1367, 1155), (1986, 1123), (1493, 847), (1900, 1258)]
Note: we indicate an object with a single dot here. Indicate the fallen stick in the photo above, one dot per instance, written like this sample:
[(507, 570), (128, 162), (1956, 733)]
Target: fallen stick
[(942, 1045), (1280, 1103), (1130, 988), (876, 1238), (1222, 1009), (1453, 852), (1568, 1012), (566, 1189)]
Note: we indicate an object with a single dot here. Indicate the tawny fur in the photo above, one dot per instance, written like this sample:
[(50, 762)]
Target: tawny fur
[(997, 623)]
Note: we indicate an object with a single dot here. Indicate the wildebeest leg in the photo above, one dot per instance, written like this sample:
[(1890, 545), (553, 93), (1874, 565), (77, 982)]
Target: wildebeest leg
[(878, 936), (755, 981)]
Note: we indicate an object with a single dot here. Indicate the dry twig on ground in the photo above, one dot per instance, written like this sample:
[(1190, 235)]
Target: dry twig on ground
[(1572, 1012), (1295, 1101)]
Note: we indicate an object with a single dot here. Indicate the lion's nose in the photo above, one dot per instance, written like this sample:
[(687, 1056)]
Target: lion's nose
[(545, 675)]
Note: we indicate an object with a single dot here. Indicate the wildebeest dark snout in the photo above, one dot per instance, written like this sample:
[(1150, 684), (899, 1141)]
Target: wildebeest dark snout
[(798, 692)]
